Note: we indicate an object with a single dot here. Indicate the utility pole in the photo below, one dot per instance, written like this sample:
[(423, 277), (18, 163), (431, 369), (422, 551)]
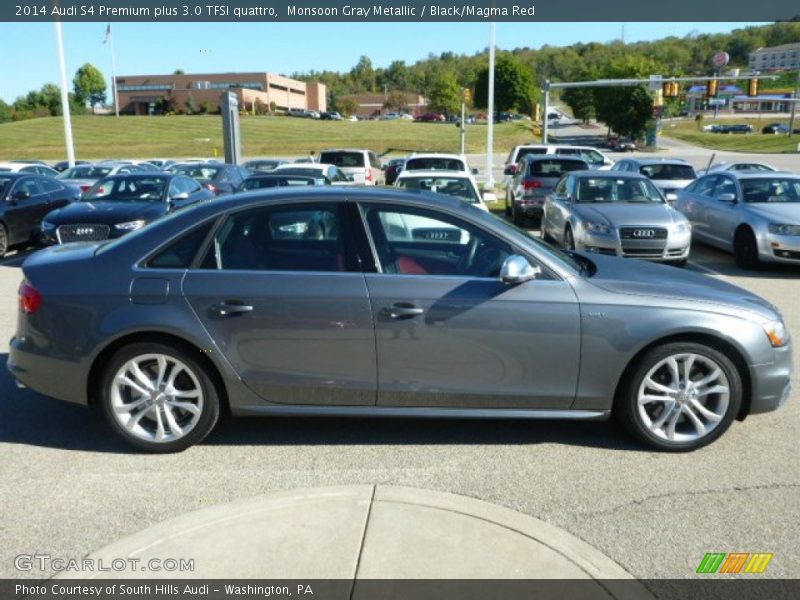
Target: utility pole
[(490, 108), (65, 97), (795, 97), (546, 107), (465, 97)]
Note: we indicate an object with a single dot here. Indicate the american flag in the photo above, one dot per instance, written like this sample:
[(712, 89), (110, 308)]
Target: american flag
[(108, 34)]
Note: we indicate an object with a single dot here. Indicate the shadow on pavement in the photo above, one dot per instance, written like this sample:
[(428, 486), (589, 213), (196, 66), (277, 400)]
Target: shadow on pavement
[(32, 419), (723, 263), (15, 259)]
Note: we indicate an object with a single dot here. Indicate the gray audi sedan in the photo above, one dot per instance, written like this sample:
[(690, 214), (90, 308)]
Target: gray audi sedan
[(373, 302), (752, 214), (616, 213)]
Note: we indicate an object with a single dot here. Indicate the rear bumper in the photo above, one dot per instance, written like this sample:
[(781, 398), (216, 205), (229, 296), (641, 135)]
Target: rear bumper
[(57, 378), (772, 384)]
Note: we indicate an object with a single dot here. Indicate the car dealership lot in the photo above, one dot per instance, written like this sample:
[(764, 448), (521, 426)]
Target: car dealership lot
[(69, 487)]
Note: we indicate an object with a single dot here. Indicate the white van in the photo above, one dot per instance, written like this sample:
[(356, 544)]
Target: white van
[(362, 165)]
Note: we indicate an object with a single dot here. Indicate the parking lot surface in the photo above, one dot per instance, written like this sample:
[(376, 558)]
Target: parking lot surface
[(69, 487)]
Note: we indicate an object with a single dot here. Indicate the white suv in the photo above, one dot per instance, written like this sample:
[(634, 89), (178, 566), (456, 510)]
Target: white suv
[(434, 161), (362, 165)]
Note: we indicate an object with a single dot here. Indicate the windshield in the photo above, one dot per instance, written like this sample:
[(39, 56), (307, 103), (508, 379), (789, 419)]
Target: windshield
[(434, 164), (124, 189), (668, 171), (262, 165), (85, 172), (342, 159), (460, 187), (771, 189), (257, 183), (196, 171), (612, 189)]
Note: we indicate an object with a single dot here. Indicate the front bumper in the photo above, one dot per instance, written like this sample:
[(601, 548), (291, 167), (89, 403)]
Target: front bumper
[(779, 248), (675, 248), (772, 383)]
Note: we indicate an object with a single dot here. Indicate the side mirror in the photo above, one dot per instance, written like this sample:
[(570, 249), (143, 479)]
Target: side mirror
[(21, 195), (516, 269), (181, 196), (489, 197), (510, 170), (728, 198)]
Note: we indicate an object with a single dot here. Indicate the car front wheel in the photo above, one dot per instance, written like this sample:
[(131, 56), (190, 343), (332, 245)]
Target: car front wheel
[(745, 249), (681, 396), (158, 398)]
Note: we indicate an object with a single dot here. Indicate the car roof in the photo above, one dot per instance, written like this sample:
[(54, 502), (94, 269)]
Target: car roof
[(18, 174), (762, 174), (345, 150), (310, 165), (659, 161), (283, 175), (436, 155), (543, 157), (434, 173), (148, 175), (608, 174)]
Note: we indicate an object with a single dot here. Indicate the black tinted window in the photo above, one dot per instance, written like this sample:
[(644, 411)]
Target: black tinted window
[(555, 167), (668, 171), (342, 159), (180, 254), (296, 238)]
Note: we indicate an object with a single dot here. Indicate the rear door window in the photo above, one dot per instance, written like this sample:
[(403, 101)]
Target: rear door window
[(342, 159)]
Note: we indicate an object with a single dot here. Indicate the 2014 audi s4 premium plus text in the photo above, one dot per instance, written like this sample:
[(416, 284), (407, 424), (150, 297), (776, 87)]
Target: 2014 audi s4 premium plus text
[(370, 302)]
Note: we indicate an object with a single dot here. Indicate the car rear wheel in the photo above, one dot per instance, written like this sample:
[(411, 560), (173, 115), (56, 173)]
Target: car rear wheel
[(158, 398), (745, 249), (3, 240), (518, 217), (681, 396)]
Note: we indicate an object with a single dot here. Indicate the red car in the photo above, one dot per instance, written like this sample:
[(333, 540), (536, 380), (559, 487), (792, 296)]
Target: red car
[(431, 117)]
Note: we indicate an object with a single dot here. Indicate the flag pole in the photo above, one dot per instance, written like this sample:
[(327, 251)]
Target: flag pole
[(110, 40), (65, 96)]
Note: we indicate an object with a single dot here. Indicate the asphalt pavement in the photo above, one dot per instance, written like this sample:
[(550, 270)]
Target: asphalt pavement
[(68, 488)]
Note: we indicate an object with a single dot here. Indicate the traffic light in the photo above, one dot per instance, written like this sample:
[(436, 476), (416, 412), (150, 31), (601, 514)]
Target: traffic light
[(713, 88), (467, 95), (752, 87), (670, 89)]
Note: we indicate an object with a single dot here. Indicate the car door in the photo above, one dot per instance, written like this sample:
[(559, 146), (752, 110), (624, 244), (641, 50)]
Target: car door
[(694, 201), (281, 293), (557, 208), (721, 214), (449, 333), (25, 206), (57, 195)]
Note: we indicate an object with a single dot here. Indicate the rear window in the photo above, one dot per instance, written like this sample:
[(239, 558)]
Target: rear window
[(196, 171), (555, 167), (85, 173), (435, 164), (256, 183), (668, 171), (526, 151), (342, 159)]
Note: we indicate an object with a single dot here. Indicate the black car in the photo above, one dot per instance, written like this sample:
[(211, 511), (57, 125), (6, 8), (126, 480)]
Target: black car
[(257, 182), (263, 165), (392, 169), (25, 200), (120, 204), (738, 128), (216, 177), (63, 165), (775, 128)]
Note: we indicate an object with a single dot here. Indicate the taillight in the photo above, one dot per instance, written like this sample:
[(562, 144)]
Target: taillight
[(531, 184), (29, 298), (369, 175), (85, 188)]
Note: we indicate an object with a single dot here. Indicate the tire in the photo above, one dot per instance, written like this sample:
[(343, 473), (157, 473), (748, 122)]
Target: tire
[(140, 428), (519, 219), (546, 236), (671, 424), (745, 250), (3, 240), (508, 206), (569, 240)]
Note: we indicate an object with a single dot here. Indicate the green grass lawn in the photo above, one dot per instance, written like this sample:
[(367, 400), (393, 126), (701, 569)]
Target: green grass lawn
[(737, 142), (182, 136)]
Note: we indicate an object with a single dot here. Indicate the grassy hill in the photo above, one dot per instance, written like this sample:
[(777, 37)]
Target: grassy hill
[(687, 131), (176, 136)]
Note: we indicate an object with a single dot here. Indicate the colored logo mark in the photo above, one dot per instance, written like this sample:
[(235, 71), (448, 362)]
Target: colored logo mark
[(734, 562)]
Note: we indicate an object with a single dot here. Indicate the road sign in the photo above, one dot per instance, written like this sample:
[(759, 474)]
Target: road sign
[(720, 59)]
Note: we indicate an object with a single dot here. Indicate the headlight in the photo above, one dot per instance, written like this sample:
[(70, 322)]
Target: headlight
[(779, 229), (47, 226), (684, 227), (777, 333), (130, 225), (600, 228)]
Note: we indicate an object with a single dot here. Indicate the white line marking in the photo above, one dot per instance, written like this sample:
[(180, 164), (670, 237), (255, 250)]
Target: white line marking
[(706, 269)]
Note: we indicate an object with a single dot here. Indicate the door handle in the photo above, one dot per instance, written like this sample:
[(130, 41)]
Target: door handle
[(403, 310), (228, 309)]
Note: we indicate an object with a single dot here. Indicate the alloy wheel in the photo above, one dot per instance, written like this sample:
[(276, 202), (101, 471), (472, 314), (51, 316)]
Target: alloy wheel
[(683, 397), (156, 398)]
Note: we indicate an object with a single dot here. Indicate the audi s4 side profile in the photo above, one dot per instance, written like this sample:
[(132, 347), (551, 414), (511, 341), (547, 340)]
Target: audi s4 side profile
[(373, 302)]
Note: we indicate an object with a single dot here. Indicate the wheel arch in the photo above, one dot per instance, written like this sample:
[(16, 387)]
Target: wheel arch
[(728, 348), (104, 356)]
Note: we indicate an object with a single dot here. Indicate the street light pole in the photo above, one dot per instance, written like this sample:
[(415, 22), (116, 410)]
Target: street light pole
[(490, 116), (65, 97), (795, 97)]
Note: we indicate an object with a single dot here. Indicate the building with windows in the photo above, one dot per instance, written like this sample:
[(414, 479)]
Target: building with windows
[(141, 94), (777, 58), (373, 105)]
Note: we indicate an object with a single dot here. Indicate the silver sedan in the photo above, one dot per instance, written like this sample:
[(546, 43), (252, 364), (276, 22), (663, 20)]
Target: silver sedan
[(754, 215), (621, 214)]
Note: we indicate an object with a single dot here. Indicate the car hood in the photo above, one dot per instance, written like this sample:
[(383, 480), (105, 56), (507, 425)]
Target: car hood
[(640, 278), (106, 213), (616, 214), (783, 213)]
